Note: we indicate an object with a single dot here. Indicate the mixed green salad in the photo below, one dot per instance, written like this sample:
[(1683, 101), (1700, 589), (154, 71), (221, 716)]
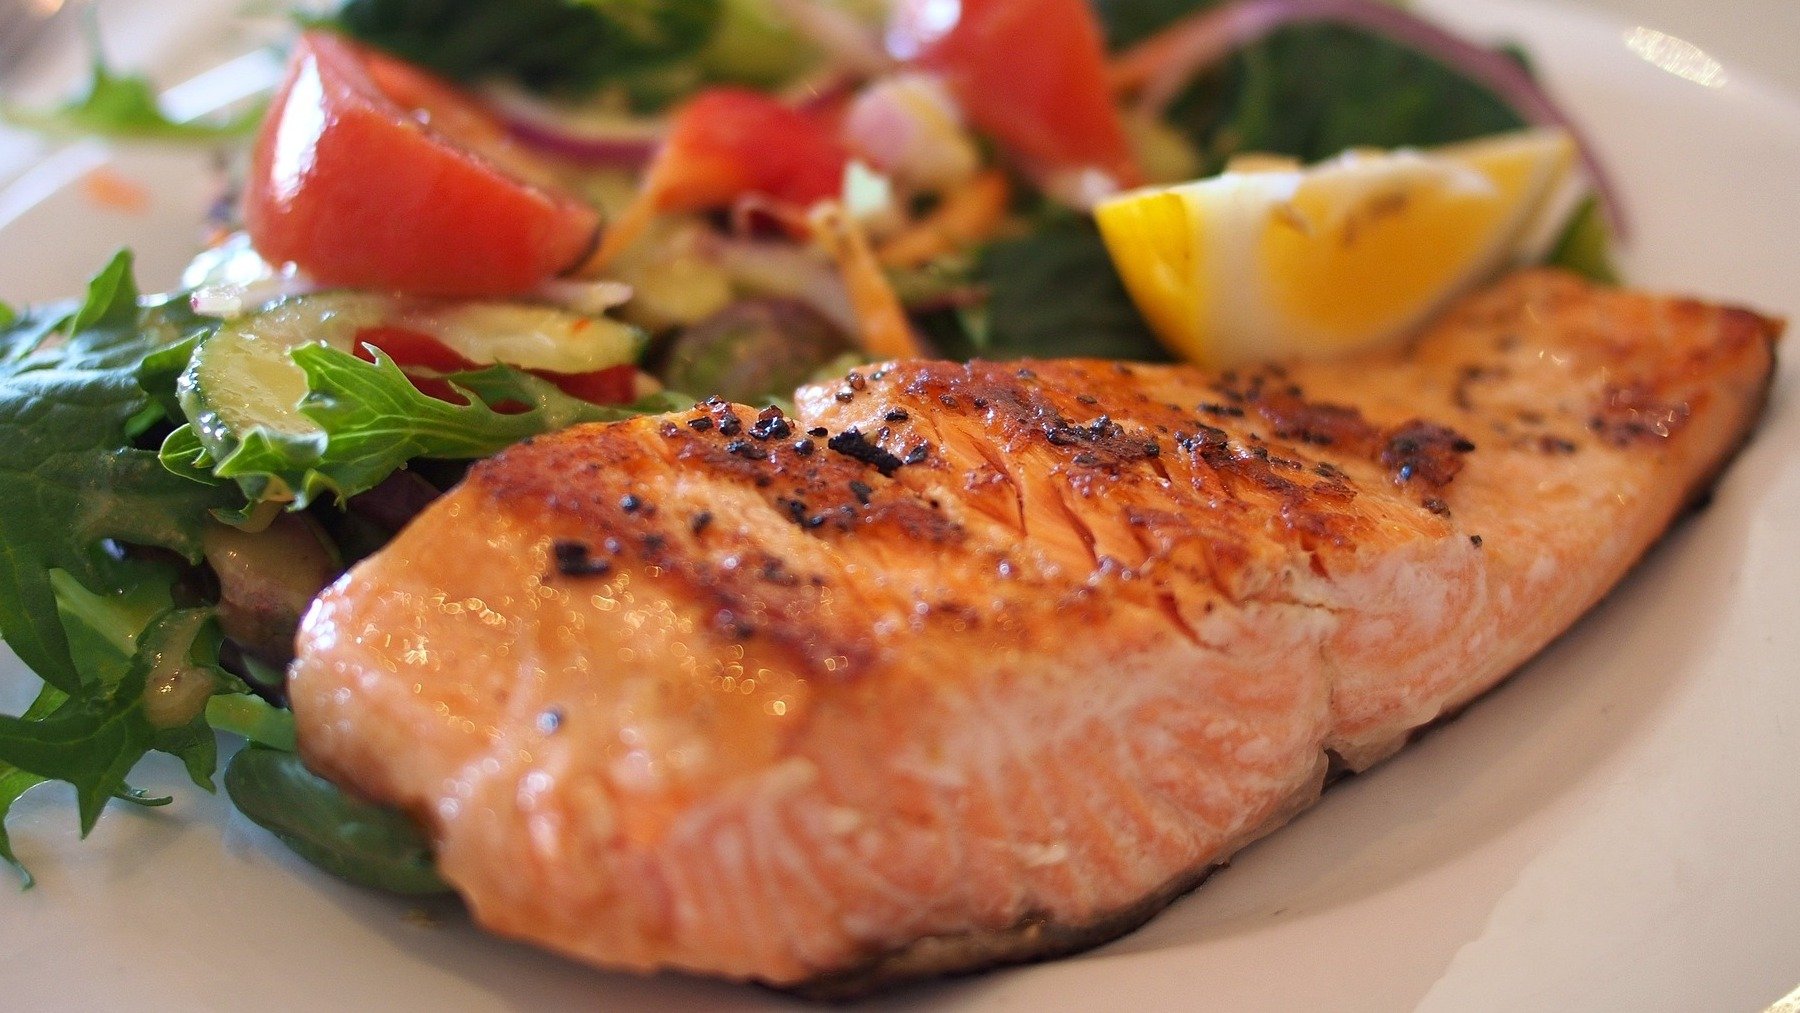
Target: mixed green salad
[(621, 199)]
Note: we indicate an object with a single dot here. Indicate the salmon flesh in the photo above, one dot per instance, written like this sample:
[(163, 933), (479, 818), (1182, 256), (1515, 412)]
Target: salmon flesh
[(967, 664)]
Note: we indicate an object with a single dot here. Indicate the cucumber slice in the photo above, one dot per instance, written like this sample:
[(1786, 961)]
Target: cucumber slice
[(524, 335), (244, 378)]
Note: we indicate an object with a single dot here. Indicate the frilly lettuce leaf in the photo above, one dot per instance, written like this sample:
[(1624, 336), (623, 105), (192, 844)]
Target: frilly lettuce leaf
[(373, 421), (79, 494), (73, 481)]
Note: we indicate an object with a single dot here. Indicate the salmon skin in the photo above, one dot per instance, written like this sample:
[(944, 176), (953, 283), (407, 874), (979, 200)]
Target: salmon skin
[(969, 664)]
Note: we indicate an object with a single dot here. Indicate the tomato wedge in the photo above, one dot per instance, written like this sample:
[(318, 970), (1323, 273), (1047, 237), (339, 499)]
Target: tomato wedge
[(370, 173), (1031, 73)]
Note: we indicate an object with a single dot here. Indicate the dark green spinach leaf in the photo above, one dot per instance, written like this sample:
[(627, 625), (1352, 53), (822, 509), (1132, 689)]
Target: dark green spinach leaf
[(1052, 293), (1313, 91), (554, 46), (355, 840)]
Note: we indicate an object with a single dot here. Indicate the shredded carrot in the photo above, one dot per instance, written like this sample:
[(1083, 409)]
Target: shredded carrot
[(886, 334), (110, 189), (1134, 68), (618, 235), (967, 215)]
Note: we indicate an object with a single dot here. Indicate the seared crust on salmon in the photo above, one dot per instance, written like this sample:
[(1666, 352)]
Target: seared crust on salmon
[(977, 663)]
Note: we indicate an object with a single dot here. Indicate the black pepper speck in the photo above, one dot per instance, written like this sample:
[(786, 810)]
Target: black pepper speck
[(770, 425), (573, 559), (854, 445)]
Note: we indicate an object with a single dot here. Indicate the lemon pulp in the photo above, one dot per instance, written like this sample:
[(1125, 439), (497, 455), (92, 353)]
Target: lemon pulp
[(1281, 260)]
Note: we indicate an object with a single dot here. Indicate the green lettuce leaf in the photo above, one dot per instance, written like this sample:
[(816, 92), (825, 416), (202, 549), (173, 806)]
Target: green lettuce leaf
[(81, 497), (374, 422), (92, 742), (73, 482), (14, 783), (94, 739)]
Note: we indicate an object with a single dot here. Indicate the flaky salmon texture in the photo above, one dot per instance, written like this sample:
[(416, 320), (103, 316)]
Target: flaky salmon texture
[(964, 664)]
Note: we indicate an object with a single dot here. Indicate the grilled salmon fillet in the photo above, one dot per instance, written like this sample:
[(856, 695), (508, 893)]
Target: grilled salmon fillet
[(966, 664)]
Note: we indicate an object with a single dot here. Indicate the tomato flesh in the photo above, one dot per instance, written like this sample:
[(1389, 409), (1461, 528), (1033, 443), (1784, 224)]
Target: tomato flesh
[(727, 143), (1030, 73), (370, 173)]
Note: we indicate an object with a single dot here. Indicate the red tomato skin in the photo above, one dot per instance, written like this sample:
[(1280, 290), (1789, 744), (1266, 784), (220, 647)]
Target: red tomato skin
[(1031, 73), (410, 349), (612, 385), (355, 189), (727, 143)]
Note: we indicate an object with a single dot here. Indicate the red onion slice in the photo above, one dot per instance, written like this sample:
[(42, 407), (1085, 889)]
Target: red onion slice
[(614, 152), (617, 143), (1167, 61), (628, 148)]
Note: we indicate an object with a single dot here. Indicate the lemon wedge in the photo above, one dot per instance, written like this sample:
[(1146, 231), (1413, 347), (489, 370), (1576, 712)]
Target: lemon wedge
[(1271, 259)]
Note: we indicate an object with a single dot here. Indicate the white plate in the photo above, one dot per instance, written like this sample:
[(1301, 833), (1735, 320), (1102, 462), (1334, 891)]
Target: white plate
[(1613, 829)]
